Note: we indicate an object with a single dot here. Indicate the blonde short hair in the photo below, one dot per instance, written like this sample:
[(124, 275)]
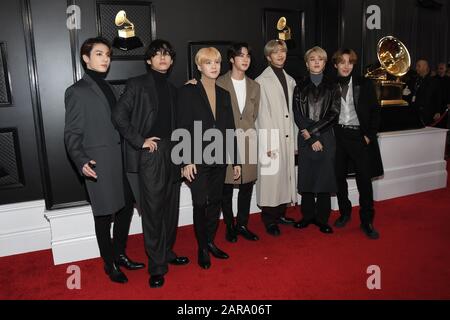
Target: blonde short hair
[(273, 46), (322, 53), (205, 54)]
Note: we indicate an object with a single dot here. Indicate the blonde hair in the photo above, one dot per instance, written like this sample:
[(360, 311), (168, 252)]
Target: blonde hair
[(209, 53), (322, 53), (273, 46)]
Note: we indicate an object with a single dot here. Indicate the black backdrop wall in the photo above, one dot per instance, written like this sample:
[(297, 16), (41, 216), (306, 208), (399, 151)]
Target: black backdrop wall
[(40, 60)]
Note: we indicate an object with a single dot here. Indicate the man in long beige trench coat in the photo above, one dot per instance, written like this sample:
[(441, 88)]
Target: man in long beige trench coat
[(276, 183)]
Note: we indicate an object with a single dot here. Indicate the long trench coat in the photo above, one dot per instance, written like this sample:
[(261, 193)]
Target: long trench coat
[(276, 182)]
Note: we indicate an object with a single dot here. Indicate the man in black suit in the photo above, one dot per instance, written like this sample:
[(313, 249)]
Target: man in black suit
[(94, 146), (146, 116), (206, 107), (425, 93), (356, 141), (444, 84)]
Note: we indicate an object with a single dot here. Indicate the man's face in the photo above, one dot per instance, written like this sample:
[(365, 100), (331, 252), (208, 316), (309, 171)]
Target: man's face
[(442, 69), (422, 68), (161, 61), (210, 68), (242, 61), (315, 63), (278, 57), (99, 58), (344, 67)]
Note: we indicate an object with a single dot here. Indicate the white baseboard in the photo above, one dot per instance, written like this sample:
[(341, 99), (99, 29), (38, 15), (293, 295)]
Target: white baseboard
[(23, 228), (26, 227)]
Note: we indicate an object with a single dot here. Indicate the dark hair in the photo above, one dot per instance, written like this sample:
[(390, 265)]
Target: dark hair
[(337, 56), (159, 45), (236, 49), (87, 46)]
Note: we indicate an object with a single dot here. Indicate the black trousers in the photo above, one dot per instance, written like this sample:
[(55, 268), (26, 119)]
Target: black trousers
[(350, 146), (206, 190), (111, 249), (316, 210), (244, 199), (160, 194), (272, 215)]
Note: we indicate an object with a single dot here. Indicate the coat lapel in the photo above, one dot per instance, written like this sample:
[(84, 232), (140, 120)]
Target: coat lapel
[(278, 83), (356, 91), (206, 101), (97, 91), (230, 88)]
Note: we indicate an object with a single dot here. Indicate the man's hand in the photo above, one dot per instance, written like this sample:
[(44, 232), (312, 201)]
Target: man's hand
[(151, 144), (317, 146), (272, 154), (367, 139), (189, 172), (236, 172), (192, 81), (305, 134), (88, 171), (436, 116)]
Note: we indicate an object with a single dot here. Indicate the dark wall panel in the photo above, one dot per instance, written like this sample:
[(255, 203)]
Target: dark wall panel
[(178, 21), (20, 176)]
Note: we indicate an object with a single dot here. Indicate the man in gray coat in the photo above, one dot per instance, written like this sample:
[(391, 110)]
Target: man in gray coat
[(94, 146)]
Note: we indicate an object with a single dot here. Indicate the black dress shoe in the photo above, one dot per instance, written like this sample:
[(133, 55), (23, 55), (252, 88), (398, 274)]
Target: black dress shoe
[(247, 234), (179, 261), (302, 224), (216, 252), (324, 228), (156, 281), (204, 261), (286, 220), (127, 263), (273, 230), (342, 221), (230, 234), (370, 231), (115, 274)]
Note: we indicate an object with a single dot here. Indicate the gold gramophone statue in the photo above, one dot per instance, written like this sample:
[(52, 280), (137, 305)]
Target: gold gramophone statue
[(127, 39), (284, 32), (394, 62)]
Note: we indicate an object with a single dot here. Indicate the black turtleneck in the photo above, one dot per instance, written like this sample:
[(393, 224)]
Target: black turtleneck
[(99, 78), (280, 75), (163, 124)]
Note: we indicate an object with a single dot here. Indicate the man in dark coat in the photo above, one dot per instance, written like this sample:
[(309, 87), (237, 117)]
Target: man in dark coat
[(444, 84), (356, 141), (94, 146), (146, 117), (425, 93)]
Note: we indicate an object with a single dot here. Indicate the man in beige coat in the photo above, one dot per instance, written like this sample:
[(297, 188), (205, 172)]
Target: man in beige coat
[(276, 184), (245, 94)]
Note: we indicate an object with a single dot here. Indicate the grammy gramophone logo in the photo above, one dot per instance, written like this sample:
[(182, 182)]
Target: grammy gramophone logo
[(284, 32), (127, 39)]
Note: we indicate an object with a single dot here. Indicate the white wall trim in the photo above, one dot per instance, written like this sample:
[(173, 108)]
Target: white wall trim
[(413, 162), (23, 228)]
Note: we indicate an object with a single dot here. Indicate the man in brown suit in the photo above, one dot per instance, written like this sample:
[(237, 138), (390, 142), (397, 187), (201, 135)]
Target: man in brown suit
[(245, 95)]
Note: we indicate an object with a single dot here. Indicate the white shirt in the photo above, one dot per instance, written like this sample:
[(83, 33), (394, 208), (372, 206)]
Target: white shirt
[(348, 114), (240, 87)]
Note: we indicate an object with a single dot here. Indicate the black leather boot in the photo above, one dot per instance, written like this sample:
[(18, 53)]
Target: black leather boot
[(204, 261), (230, 234), (115, 274), (129, 264)]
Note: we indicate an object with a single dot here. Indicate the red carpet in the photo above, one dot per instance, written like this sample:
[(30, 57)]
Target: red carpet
[(413, 254)]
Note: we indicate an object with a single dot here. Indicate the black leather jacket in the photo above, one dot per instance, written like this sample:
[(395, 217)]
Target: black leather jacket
[(316, 108)]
